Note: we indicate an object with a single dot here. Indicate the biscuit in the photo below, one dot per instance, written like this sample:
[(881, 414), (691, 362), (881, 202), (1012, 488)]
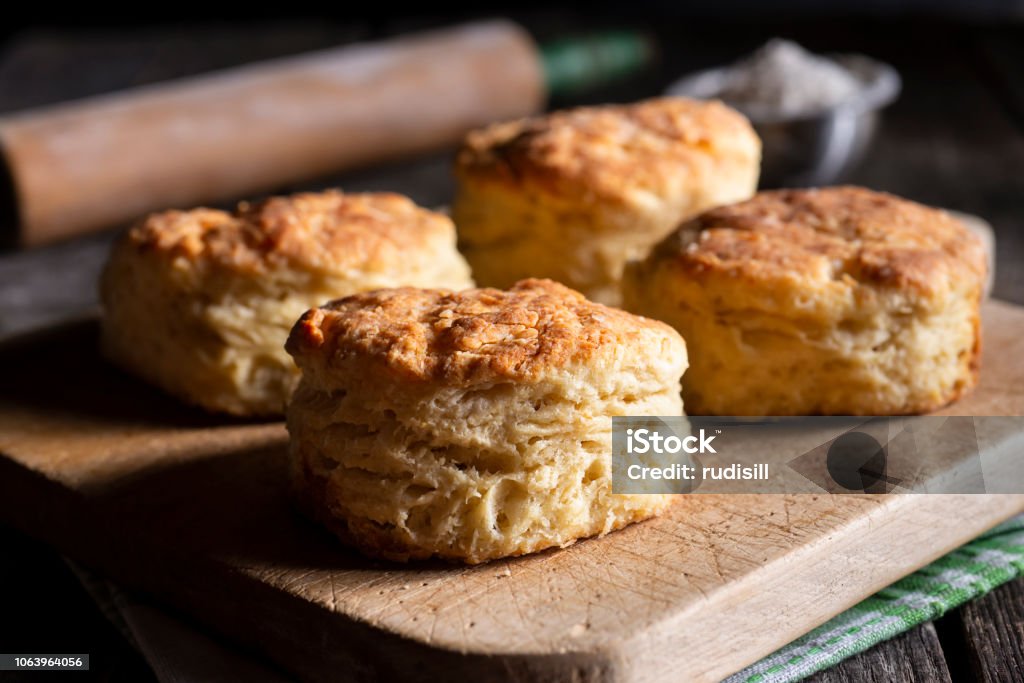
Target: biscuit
[(838, 301), (472, 425), (200, 302), (575, 194)]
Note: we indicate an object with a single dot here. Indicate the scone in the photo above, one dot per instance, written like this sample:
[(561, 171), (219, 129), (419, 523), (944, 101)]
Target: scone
[(472, 425), (574, 195), (838, 301), (200, 302)]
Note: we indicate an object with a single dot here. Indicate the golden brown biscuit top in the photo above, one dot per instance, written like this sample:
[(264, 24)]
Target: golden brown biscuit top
[(611, 150), (318, 231), (847, 234), (477, 335)]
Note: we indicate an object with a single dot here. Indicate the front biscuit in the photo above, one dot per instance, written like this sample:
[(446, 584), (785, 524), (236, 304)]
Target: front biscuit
[(472, 425)]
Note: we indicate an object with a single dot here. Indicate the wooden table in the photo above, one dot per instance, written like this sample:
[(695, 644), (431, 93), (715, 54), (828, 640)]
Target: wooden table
[(955, 138)]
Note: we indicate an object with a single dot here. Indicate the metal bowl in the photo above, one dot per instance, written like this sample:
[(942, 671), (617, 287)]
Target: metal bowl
[(815, 149)]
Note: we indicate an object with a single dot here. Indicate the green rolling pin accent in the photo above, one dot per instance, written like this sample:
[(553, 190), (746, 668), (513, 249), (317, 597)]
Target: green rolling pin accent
[(573, 65)]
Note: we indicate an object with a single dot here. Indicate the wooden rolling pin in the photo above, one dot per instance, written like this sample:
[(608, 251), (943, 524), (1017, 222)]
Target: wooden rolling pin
[(104, 161)]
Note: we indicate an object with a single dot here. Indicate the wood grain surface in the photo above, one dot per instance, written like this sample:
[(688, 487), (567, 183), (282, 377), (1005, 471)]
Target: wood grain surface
[(912, 657), (994, 629), (194, 510)]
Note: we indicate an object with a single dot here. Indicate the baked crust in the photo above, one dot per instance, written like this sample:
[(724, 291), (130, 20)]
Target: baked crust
[(612, 151), (328, 230), (847, 235), (470, 337)]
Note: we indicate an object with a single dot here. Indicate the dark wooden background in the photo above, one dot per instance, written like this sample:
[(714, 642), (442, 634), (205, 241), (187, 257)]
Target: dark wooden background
[(954, 139)]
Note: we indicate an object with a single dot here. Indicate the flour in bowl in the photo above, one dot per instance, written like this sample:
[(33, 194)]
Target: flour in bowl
[(787, 80)]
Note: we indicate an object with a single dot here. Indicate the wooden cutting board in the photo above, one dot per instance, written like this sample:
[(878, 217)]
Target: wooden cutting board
[(193, 509)]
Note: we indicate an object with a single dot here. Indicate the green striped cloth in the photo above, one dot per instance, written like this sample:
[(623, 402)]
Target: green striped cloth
[(962, 575)]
